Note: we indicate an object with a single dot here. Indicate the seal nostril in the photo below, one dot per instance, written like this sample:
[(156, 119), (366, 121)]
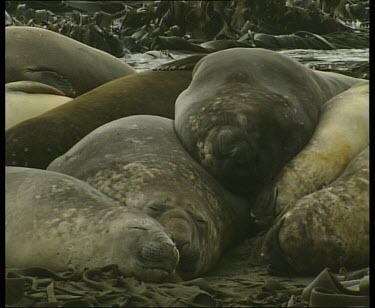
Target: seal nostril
[(231, 144), (154, 252), (224, 139)]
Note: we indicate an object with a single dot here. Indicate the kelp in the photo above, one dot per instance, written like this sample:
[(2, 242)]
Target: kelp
[(239, 280)]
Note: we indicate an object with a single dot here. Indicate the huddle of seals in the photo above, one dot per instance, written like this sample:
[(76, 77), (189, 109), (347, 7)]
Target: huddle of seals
[(44, 56), (139, 162), (328, 228), (342, 133), (56, 221), (53, 133), (244, 120), (27, 99), (248, 111)]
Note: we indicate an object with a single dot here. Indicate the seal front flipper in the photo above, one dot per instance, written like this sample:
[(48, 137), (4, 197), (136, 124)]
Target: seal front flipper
[(49, 76), (32, 87)]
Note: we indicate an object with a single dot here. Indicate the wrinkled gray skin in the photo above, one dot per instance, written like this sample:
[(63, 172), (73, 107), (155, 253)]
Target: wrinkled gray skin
[(139, 161), (328, 228), (56, 221), (249, 111), (44, 56)]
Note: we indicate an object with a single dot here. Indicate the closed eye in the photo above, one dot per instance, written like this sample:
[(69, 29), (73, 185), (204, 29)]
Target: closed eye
[(201, 222), (156, 209), (137, 228)]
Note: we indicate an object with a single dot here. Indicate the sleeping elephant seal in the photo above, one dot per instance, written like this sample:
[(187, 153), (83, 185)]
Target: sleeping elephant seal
[(139, 162), (52, 134), (48, 57), (328, 228), (27, 99), (342, 132), (56, 221), (248, 111)]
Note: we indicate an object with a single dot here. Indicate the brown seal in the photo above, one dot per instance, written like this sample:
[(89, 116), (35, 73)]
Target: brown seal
[(52, 134)]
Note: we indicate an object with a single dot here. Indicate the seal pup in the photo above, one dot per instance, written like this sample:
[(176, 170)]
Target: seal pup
[(48, 57), (341, 134), (56, 221), (27, 99), (328, 228), (50, 135), (139, 162), (249, 111)]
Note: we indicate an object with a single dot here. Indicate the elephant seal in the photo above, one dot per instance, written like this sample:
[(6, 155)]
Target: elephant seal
[(45, 56), (52, 134), (249, 111), (342, 133), (56, 221), (139, 162), (23, 101), (328, 228)]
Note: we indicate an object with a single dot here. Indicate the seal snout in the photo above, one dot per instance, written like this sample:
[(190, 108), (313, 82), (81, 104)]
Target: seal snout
[(230, 150), (159, 255), (182, 234)]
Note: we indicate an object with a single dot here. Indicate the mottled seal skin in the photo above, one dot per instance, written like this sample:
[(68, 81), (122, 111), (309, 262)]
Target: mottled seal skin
[(56, 221), (139, 162), (23, 101), (248, 111), (50, 135), (44, 56), (342, 132), (328, 228)]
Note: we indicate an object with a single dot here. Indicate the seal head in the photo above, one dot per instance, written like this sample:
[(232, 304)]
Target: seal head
[(248, 111), (69, 223)]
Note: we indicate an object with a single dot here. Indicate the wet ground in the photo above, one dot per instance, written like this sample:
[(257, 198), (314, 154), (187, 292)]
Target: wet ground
[(339, 60)]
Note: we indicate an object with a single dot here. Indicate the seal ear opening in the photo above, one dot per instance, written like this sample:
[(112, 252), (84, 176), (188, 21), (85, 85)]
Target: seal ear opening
[(273, 255)]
